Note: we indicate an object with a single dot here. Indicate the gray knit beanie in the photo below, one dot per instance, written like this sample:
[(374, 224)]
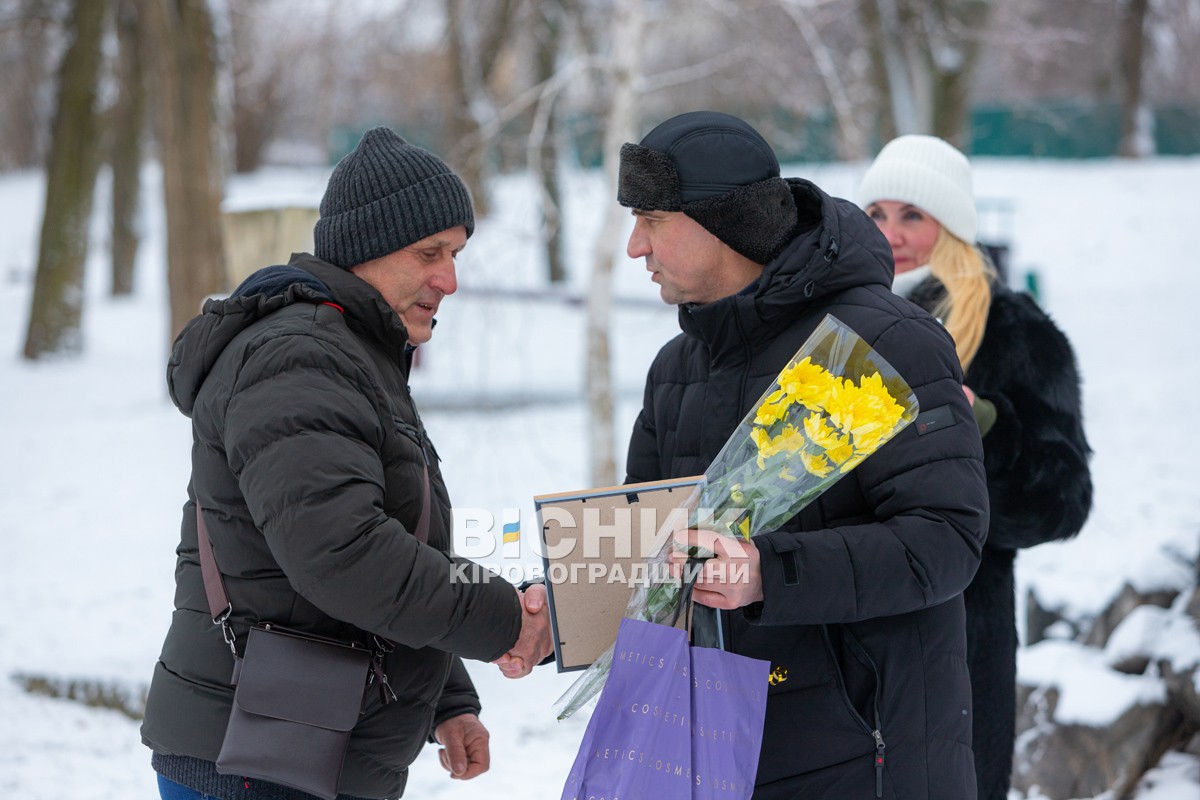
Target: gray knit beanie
[(384, 196)]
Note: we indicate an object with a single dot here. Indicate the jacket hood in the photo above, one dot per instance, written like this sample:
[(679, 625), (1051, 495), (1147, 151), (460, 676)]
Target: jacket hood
[(836, 247), (841, 247), (206, 336), (305, 279)]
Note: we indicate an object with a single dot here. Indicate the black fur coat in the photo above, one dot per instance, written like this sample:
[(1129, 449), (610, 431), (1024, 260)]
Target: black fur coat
[(1040, 490)]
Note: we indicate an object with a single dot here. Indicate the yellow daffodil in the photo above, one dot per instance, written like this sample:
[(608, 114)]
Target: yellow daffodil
[(761, 439), (770, 413), (790, 440), (818, 430), (815, 464), (839, 453), (839, 404), (806, 383), (744, 527), (868, 441)]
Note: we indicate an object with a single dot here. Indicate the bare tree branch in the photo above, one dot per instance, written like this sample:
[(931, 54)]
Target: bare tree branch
[(532, 96), (692, 72), (801, 14)]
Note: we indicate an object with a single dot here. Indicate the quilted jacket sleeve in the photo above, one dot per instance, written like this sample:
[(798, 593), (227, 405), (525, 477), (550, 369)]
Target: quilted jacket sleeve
[(458, 696), (305, 441)]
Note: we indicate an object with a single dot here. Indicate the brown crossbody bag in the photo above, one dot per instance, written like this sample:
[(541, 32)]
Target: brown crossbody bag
[(298, 696)]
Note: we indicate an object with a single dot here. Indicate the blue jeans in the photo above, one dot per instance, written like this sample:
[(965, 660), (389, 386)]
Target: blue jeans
[(170, 790)]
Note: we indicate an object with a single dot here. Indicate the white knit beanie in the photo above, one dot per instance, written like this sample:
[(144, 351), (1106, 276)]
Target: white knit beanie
[(926, 172)]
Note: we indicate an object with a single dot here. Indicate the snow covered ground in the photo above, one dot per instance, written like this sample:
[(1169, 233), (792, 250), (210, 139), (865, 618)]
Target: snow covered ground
[(94, 460)]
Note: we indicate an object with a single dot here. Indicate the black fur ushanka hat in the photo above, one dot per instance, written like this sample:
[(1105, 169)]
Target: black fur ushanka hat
[(719, 171)]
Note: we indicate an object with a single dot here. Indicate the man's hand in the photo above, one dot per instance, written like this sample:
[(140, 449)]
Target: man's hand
[(464, 742), (732, 578), (536, 641)]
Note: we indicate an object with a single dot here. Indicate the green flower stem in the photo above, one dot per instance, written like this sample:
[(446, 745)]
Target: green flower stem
[(587, 687)]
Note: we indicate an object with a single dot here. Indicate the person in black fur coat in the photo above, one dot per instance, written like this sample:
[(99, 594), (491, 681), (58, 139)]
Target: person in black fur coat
[(1021, 375)]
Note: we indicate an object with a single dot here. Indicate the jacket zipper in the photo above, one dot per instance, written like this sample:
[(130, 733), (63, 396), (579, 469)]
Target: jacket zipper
[(737, 321), (419, 438), (879, 748), (877, 731)]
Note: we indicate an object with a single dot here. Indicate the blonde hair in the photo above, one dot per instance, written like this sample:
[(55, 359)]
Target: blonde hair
[(967, 276)]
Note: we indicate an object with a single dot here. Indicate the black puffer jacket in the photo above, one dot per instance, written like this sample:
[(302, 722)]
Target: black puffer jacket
[(1040, 487), (307, 460), (863, 590)]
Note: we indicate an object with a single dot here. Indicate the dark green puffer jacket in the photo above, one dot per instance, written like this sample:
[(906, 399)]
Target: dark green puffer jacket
[(307, 459)]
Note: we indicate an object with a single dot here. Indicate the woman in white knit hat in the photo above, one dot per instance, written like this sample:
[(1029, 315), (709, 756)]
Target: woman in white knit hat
[(1020, 372)]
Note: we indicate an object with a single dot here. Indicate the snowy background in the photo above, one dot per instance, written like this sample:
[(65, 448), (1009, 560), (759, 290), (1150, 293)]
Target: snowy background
[(95, 458)]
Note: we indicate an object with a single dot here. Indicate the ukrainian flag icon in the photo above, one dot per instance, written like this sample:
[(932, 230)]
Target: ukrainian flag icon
[(512, 531)]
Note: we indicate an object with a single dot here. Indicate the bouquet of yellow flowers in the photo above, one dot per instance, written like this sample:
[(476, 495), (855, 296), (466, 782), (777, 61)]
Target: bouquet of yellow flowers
[(835, 403)]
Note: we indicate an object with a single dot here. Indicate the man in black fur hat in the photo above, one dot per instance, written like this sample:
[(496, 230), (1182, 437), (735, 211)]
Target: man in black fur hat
[(857, 602)]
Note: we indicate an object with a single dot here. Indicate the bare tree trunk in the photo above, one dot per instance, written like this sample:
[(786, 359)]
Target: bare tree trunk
[(907, 116), (924, 56), (544, 138), (185, 65), (128, 118), (258, 101), (628, 24), (24, 124), (556, 266), (472, 62), (56, 310), (1137, 136), (458, 110), (951, 105), (852, 143), (952, 53), (885, 114)]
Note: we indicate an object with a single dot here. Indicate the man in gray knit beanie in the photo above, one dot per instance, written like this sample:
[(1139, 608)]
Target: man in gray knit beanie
[(384, 196), (319, 490), (395, 215)]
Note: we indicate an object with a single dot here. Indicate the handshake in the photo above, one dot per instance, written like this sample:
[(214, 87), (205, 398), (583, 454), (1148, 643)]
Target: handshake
[(535, 641)]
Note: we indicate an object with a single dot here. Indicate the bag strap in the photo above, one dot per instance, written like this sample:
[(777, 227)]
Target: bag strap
[(214, 583), (691, 571), (422, 531)]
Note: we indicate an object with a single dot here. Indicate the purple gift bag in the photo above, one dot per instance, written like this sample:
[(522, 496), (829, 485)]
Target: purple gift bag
[(674, 722)]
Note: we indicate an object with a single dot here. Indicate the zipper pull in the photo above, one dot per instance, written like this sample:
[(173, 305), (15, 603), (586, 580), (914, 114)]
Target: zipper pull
[(386, 693), (879, 748)]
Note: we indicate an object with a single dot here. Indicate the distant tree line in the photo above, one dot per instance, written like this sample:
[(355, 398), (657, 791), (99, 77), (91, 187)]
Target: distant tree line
[(208, 88)]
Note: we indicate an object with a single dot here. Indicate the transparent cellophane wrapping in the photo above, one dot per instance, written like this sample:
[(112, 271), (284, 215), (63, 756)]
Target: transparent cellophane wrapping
[(835, 403)]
